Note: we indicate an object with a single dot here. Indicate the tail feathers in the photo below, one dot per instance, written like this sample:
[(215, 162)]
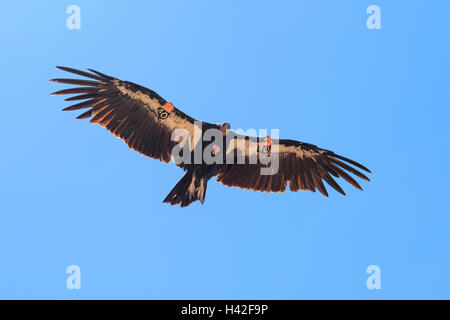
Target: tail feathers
[(189, 189)]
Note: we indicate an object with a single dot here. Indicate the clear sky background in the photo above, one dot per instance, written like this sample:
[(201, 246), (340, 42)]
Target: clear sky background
[(73, 194)]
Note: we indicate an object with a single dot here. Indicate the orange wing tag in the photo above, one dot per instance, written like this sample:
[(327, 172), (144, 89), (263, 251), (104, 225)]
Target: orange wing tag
[(168, 106)]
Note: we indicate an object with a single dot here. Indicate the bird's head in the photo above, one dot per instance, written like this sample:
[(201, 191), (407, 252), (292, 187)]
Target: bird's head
[(224, 127)]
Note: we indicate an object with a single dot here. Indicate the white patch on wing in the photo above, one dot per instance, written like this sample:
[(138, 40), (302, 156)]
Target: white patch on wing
[(244, 147), (299, 152), (149, 103), (172, 122)]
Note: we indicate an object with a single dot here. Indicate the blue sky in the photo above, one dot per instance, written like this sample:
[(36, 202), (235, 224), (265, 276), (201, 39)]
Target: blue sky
[(73, 194)]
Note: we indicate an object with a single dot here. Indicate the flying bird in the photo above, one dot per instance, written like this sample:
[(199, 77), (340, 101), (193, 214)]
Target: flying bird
[(147, 123)]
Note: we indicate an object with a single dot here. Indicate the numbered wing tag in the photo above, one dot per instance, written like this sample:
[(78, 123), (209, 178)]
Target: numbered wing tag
[(165, 110), (266, 146)]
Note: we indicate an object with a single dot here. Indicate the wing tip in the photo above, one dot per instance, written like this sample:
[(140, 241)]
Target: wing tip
[(353, 162), (85, 115), (100, 74)]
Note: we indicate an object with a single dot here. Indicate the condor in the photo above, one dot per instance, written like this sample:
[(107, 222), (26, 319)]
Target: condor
[(147, 123)]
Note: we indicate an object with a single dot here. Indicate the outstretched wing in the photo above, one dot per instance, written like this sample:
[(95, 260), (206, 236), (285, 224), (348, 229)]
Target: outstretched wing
[(304, 166), (137, 115)]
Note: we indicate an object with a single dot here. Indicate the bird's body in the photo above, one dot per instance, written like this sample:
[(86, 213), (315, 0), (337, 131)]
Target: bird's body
[(193, 185), (154, 127)]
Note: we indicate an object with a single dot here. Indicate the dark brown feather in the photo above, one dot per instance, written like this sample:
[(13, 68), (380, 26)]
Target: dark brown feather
[(81, 105), (347, 177), (102, 75), (80, 73), (82, 97), (77, 82), (333, 184), (75, 90), (319, 185), (85, 115), (350, 169), (356, 164)]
